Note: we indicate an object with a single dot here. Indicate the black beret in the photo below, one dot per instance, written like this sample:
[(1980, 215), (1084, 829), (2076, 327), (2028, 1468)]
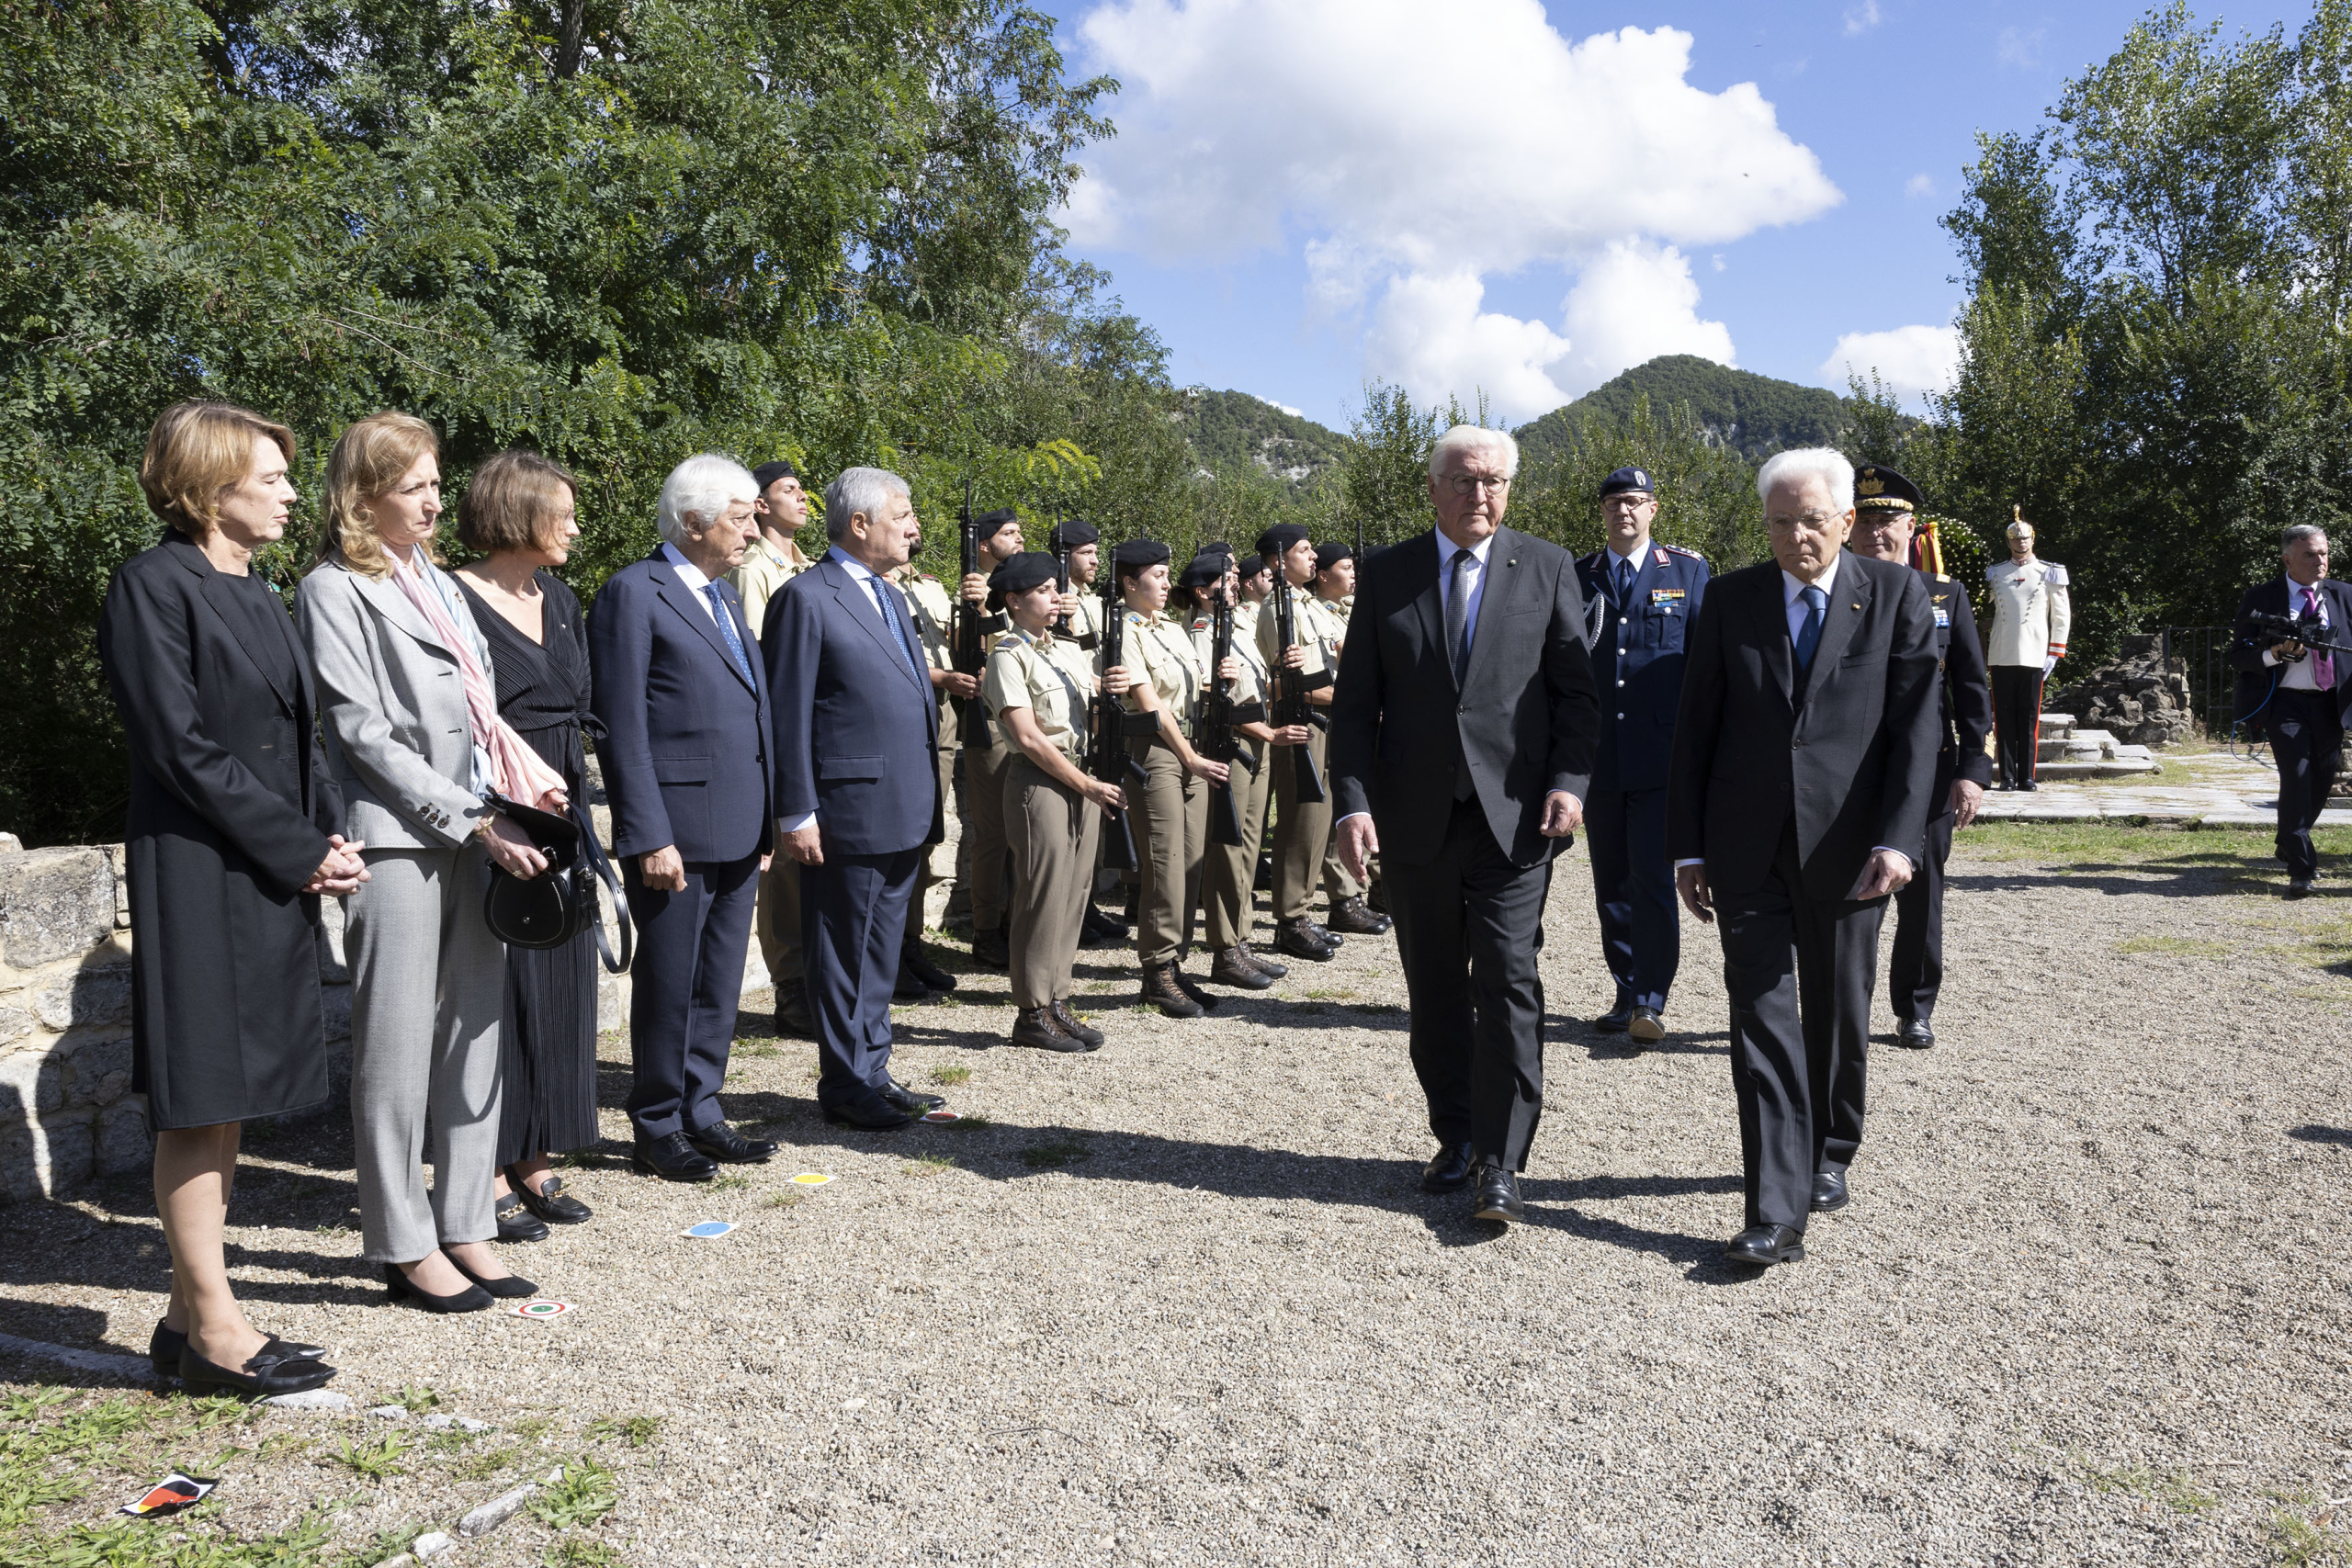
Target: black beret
[(1877, 486), (1136, 555), (1070, 533), (1208, 567), (1329, 555), (1216, 547), (1625, 480), (992, 523), (767, 474), (1282, 537), (1024, 572)]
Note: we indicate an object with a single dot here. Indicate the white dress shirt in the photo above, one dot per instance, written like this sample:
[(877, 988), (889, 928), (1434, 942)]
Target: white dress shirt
[(691, 576), (2298, 676), (1446, 551)]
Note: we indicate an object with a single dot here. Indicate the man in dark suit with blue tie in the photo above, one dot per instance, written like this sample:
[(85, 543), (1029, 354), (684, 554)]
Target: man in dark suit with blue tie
[(2295, 694), (857, 792), (1803, 755), (1642, 596), (686, 763)]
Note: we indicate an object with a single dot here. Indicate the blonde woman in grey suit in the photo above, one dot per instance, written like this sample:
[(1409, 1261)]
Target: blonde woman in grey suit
[(414, 741)]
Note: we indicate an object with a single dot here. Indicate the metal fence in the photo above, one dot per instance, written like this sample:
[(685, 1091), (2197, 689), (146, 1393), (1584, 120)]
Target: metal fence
[(2204, 655)]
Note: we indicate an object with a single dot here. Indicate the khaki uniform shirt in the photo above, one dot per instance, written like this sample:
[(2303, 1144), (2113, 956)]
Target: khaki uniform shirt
[(1086, 621), (933, 610), (1160, 651), (1334, 614), (1308, 618), (764, 570), (1051, 678), (2031, 613), (1251, 685)]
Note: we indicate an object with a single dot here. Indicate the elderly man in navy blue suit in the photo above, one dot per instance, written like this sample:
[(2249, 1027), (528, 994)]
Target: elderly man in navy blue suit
[(686, 764), (1640, 598), (857, 795)]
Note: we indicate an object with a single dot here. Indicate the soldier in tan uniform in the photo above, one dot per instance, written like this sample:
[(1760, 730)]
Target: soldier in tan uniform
[(917, 972), (1036, 692), (1335, 594), (1302, 828), (1080, 539), (981, 857), (1169, 811), (2030, 618), (770, 560)]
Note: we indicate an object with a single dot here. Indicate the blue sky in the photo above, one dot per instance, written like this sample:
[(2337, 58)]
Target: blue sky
[(1528, 197)]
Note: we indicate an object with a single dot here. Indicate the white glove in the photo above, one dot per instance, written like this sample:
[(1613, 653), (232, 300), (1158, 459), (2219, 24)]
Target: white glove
[(2047, 665)]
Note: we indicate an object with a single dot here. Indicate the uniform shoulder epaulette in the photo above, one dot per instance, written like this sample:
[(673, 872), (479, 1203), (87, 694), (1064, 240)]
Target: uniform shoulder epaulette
[(1681, 550), (2057, 575), (1939, 577), (1134, 618)]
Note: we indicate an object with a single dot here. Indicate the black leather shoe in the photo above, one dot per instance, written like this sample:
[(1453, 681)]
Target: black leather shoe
[(1263, 963), (1297, 938), (1350, 915), (510, 1288), (1231, 966), (1646, 1027), (911, 957), (1829, 1192), (516, 1223), (551, 1202), (164, 1345), (1071, 1024), (271, 1372), (1449, 1171), (673, 1157), (473, 1297), (1915, 1034), (2029, 786), (792, 1010), (1615, 1020), (869, 1112), (1497, 1196), (992, 949), (907, 987), (1760, 1246), (725, 1144), (913, 1102)]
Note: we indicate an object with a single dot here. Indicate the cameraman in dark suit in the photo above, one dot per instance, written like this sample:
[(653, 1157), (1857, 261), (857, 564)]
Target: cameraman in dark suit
[(2297, 695), (1461, 738), (1803, 754)]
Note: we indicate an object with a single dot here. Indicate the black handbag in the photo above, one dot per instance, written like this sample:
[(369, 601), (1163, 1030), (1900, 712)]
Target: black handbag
[(556, 906)]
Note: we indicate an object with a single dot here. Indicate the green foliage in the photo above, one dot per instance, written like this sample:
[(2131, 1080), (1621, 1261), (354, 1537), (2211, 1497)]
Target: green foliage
[(1706, 491), (1756, 414), (1383, 483), (585, 1495), (379, 1461), (636, 1431), (1230, 431)]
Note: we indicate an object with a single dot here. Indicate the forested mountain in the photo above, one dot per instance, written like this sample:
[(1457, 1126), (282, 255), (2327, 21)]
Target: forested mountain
[(1230, 429), (1754, 416)]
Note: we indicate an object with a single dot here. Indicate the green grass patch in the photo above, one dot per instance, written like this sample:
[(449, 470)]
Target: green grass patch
[(2174, 1488), (416, 1398), (756, 1050), (928, 1164), (2177, 946), (1066, 1149), (791, 1198), (2300, 1540), (578, 1551), (636, 1431), (585, 1495), (379, 1461), (2180, 848), (730, 1184), (949, 1078), (970, 1122), (488, 1463)]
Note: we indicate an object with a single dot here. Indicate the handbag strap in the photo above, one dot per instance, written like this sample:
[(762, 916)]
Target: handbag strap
[(603, 870)]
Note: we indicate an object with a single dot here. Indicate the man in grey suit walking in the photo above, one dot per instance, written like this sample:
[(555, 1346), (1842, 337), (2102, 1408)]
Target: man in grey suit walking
[(1462, 733), (1805, 752)]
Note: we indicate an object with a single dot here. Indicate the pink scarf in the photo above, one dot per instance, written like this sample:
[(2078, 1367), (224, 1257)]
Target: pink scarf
[(515, 770)]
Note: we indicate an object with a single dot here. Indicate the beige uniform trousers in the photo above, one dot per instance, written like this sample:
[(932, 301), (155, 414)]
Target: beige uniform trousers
[(1336, 883), (1052, 829), (1230, 883), (984, 769), (1302, 830), (927, 873), (1169, 814), (777, 923)]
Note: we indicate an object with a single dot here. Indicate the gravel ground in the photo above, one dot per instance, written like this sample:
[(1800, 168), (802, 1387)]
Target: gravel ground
[(1181, 1301)]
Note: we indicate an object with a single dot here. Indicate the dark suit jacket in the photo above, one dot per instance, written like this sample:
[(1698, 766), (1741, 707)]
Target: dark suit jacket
[(685, 745), (1851, 753), (1526, 717), (2256, 678), (857, 731), (1964, 693)]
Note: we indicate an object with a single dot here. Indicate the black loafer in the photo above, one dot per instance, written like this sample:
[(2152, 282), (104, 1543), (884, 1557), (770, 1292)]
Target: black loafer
[(1448, 1170), (1829, 1192), (1915, 1034), (473, 1297), (516, 1223), (912, 959), (1616, 1020), (672, 1159), (913, 1102), (1498, 1199), (1760, 1246), (551, 1202), (164, 1347), (509, 1287), (725, 1144), (870, 1112), (270, 1372)]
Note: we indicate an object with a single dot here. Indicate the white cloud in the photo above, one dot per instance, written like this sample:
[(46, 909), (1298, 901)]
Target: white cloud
[(2020, 47), (1918, 185), (1634, 302), (1413, 158), (1909, 360), (1861, 18), (1284, 408)]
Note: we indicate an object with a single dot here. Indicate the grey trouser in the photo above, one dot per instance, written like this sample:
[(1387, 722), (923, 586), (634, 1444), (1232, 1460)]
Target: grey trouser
[(428, 982), (1170, 815), (1053, 831), (1302, 831), (1229, 884)]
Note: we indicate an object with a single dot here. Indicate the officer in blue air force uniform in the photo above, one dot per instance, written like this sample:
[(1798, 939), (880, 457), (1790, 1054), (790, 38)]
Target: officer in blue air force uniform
[(1640, 600)]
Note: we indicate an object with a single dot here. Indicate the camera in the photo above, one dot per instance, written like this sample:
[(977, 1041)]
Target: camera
[(2309, 630)]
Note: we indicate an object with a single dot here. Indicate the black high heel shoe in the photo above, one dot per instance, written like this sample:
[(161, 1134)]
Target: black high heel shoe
[(271, 1372), (164, 1346), (512, 1288), (473, 1297)]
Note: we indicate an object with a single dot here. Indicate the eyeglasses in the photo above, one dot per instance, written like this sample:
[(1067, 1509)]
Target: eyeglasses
[(1464, 483), (1629, 499), (1811, 522)]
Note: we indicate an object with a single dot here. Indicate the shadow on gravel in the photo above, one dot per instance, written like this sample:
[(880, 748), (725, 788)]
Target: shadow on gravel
[(2313, 1132), (1602, 1047), (2180, 877)]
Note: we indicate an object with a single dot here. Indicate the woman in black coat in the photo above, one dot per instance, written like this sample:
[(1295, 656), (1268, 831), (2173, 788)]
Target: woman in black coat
[(231, 841)]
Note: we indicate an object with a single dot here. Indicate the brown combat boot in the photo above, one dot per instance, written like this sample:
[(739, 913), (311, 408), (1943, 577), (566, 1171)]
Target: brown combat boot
[(1039, 1028), (1350, 918), (1072, 1025), (1231, 966), (1160, 990)]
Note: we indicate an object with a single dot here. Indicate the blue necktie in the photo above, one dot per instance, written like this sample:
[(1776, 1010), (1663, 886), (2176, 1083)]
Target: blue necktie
[(882, 601), (1809, 634), (1624, 583), (726, 629)]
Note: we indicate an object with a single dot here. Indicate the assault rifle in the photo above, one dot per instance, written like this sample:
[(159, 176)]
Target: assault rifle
[(1108, 728), (1291, 706), (968, 643), (1062, 626), (1220, 737)]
